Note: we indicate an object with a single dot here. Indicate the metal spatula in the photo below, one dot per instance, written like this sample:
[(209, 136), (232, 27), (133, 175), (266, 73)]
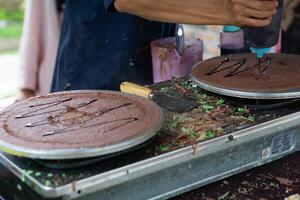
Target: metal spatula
[(176, 104)]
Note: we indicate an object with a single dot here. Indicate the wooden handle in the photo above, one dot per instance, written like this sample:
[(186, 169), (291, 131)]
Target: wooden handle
[(132, 88)]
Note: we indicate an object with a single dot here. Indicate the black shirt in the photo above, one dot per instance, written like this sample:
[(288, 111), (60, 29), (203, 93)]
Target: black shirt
[(99, 49)]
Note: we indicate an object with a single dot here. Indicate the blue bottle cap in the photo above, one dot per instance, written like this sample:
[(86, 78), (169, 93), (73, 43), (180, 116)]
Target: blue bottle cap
[(260, 52), (231, 28)]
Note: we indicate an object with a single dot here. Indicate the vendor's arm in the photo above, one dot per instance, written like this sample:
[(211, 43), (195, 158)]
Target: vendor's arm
[(215, 12)]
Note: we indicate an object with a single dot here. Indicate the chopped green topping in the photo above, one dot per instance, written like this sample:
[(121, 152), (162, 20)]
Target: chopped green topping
[(185, 130), (224, 196), (176, 120), (164, 89), (251, 118), (241, 110), (201, 96), (220, 102), (185, 83), (207, 107), (210, 134), (48, 183), (275, 185), (28, 172), (23, 176), (190, 133), (192, 136), (63, 175), (49, 175), (164, 148), (220, 129), (173, 125), (37, 173)]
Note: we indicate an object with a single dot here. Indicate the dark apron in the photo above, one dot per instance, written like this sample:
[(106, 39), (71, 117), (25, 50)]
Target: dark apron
[(99, 49)]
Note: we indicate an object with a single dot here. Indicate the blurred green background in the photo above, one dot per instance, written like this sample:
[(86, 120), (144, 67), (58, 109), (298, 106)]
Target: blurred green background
[(11, 17)]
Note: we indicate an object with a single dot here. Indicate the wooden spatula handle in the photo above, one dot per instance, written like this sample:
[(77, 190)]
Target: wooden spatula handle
[(132, 88)]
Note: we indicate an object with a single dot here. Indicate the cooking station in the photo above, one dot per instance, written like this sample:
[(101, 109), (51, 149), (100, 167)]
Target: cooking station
[(219, 138)]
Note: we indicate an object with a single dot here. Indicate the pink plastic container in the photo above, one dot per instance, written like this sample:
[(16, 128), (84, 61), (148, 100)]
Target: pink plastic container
[(168, 63)]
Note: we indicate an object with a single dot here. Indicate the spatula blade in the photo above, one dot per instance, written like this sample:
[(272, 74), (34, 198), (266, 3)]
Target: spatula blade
[(180, 105)]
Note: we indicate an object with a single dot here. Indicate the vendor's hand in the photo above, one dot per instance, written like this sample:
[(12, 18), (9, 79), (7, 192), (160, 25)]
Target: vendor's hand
[(255, 13), (25, 94)]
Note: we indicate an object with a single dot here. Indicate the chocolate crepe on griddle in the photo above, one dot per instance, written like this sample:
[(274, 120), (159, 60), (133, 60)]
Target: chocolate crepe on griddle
[(81, 119), (275, 73)]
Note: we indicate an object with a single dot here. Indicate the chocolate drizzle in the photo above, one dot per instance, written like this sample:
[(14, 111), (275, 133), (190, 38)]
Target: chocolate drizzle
[(68, 129), (36, 112), (239, 67), (46, 121), (268, 62), (53, 103), (216, 69), (66, 109)]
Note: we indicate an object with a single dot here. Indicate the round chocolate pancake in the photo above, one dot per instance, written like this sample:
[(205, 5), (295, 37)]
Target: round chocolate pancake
[(240, 75), (77, 124)]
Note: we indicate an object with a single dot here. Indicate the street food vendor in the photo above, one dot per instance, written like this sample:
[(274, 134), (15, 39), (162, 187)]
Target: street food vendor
[(106, 42)]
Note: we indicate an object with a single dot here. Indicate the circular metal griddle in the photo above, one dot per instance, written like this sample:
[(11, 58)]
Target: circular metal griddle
[(15, 144), (281, 80)]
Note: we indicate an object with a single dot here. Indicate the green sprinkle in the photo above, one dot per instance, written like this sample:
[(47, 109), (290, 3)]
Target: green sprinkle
[(220, 129), (28, 172), (49, 175), (23, 176), (179, 118), (210, 134), (48, 183), (63, 175), (164, 89), (173, 125), (37, 173), (207, 107), (224, 196), (192, 136), (201, 96), (251, 118), (189, 132), (175, 121), (220, 102), (241, 110), (184, 83), (163, 148)]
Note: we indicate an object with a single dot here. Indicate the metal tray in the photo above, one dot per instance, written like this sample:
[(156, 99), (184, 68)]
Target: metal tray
[(78, 153), (176, 172)]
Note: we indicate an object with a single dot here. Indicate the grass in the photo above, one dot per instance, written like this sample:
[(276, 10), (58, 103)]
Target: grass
[(13, 30)]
